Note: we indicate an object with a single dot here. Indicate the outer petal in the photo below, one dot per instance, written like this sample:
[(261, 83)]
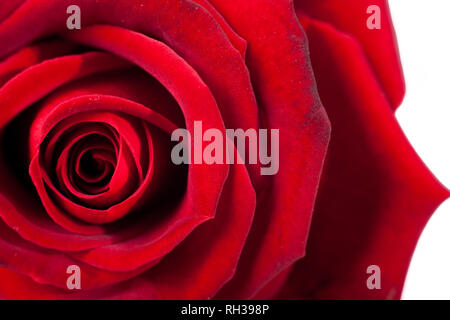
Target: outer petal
[(375, 196), (278, 51), (378, 46)]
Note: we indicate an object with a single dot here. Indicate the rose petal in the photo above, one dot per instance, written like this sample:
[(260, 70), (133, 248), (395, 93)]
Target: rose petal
[(279, 233), (206, 265), (239, 43), (8, 7), (49, 267), (32, 55), (210, 53), (32, 84), (379, 46), (15, 286), (376, 195)]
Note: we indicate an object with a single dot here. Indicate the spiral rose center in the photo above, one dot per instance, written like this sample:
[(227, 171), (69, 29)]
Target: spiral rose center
[(94, 165)]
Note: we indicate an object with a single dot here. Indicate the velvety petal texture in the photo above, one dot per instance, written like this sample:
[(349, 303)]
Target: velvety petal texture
[(375, 195), (378, 46), (87, 171)]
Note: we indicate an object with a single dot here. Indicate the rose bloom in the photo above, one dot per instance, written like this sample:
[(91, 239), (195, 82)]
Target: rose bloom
[(86, 177)]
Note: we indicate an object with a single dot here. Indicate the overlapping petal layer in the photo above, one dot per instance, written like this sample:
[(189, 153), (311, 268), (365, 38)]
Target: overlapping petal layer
[(375, 196), (92, 116)]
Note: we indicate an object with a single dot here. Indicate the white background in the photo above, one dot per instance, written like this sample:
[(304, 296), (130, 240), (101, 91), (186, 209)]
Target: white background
[(423, 32)]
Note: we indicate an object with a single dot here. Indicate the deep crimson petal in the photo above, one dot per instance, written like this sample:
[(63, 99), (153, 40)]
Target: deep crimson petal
[(15, 286), (95, 104), (38, 228), (72, 179), (193, 97), (8, 7), (279, 233), (273, 287), (211, 53), (131, 130), (376, 195), (50, 267), (99, 154), (132, 85), (100, 216), (33, 84), (67, 69), (206, 265), (31, 222), (131, 155), (31, 55), (89, 104), (379, 46), (239, 43)]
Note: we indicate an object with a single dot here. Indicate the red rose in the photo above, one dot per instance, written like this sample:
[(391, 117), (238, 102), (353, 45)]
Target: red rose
[(87, 180)]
